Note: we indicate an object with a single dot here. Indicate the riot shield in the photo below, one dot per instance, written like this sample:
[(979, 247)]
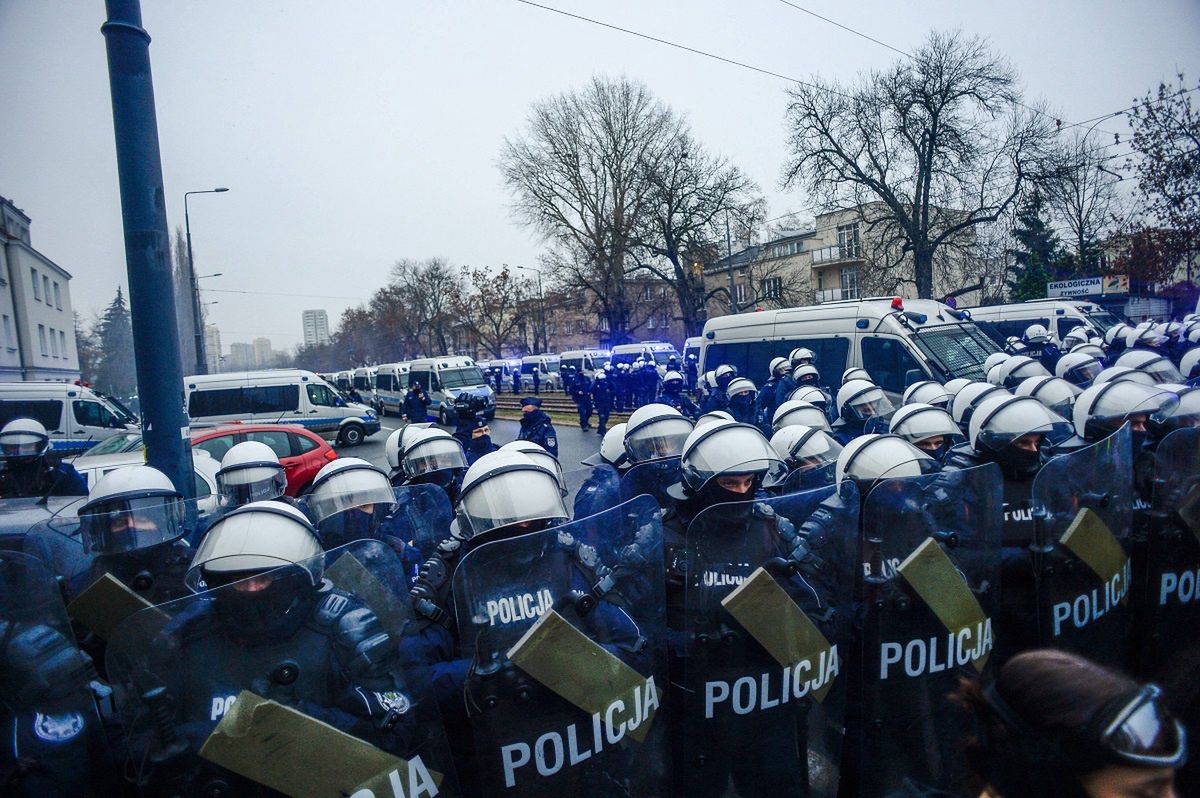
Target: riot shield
[(930, 589), (760, 682), (652, 479), (592, 490), (1167, 611), (1082, 508), (565, 637), (282, 679), (54, 740), (809, 479), (421, 519)]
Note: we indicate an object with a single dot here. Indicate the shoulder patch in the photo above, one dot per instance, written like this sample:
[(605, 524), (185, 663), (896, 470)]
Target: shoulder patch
[(393, 700), (57, 728)]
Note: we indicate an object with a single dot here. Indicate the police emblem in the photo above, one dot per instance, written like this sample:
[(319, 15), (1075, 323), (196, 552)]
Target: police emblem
[(393, 700), (57, 728)]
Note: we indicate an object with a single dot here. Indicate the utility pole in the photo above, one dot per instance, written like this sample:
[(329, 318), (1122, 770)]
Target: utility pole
[(197, 307), (733, 305), (147, 259)]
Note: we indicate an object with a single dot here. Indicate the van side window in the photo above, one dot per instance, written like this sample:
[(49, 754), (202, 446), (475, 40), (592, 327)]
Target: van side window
[(383, 382), (1066, 324), (47, 412), (267, 399), (92, 414), (753, 359), (321, 396), (219, 402), (887, 360)]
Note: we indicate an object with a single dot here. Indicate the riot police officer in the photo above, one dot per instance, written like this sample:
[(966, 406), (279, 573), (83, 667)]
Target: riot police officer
[(930, 429), (857, 402), (927, 392), (1157, 365), (1056, 394), (741, 395), (602, 398), (250, 472), (1017, 368), (797, 411), (27, 471), (581, 393), (691, 371), (1039, 345), (416, 403), (536, 425), (717, 397), (672, 394), (655, 432), (810, 453), (434, 457), (766, 396), (350, 500), (471, 429), (1078, 368)]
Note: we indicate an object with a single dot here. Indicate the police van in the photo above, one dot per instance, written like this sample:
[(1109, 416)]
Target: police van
[(76, 417), (1059, 316), (546, 366), (343, 380), (692, 347), (444, 378), (661, 351), (585, 361), (280, 396), (363, 381), (391, 383), (897, 341)]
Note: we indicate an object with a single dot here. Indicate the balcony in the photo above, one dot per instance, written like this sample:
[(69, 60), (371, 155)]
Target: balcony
[(828, 256), (835, 294)]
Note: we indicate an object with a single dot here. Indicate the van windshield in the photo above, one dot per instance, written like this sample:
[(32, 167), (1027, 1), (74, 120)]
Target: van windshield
[(957, 349), (1103, 320), (461, 378)]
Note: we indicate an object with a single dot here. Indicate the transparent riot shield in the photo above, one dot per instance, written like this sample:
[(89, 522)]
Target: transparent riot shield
[(809, 479), (759, 679), (651, 479), (1168, 600), (565, 636), (592, 490), (421, 519), (930, 589), (284, 679), (1082, 508), (54, 743)]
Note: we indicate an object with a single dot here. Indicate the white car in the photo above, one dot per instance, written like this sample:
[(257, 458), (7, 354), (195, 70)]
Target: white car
[(92, 468)]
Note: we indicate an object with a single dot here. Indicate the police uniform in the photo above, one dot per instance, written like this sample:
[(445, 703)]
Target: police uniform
[(537, 427), (581, 392), (602, 397), (38, 478)]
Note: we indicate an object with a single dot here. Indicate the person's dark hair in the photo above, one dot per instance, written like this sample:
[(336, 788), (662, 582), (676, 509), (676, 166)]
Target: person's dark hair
[(1056, 697)]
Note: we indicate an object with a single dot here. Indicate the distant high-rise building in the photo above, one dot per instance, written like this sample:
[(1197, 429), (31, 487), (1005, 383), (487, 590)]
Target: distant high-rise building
[(316, 327), (241, 357), (212, 348), (262, 353)]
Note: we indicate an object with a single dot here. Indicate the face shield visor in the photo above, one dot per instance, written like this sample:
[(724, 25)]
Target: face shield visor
[(814, 396), (731, 449), (1058, 395), (657, 439), (869, 403), (1140, 730), (350, 488), (255, 541), (122, 525), (930, 429), (870, 458), (1017, 373), (1082, 375), (805, 414), (1129, 401), (1185, 413), (21, 445), (433, 454), (521, 494), (815, 449), (1018, 426), (927, 392), (1162, 370), (251, 482)]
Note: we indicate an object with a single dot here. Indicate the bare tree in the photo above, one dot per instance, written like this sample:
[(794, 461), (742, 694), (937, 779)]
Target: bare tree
[(578, 177), (493, 307), (927, 149), (426, 292), (1080, 191)]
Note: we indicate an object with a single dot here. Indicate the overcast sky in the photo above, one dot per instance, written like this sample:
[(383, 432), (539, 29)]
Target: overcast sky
[(352, 134)]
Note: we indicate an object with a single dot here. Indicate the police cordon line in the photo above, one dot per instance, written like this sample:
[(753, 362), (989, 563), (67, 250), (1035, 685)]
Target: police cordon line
[(777, 596)]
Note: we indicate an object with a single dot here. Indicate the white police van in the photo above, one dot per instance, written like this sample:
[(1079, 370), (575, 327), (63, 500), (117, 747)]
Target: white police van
[(1059, 316), (444, 378), (546, 366), (363, 381), (76, 417), (279, 396), (660, 351), (897, 341), (391, 383), (585, 361), (692, 347)]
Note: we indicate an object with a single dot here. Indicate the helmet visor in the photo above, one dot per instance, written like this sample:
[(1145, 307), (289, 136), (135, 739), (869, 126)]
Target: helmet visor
[(510, 497), (23, 444), (657, 439), (360, 487), (1085, 372), (245, 485), (815, 450), (123, 525), (731, 450), (434, 454), (870, 403), (1143, 732), (1162, 370)]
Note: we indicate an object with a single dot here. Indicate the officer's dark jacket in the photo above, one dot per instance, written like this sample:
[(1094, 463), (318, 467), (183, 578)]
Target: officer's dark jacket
[(39, 478), (415, 407), (537, 427)]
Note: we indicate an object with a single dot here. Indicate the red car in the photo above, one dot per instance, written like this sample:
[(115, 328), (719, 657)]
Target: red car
[(301, 452)]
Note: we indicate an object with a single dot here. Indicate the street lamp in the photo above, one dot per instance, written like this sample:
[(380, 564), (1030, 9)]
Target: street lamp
[(198, 320), (541, 306)]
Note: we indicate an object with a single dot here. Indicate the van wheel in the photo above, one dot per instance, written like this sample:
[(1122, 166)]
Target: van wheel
[(443, 417), (352, 435)]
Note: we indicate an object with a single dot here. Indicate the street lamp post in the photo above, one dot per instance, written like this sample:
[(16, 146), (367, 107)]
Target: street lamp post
[(541, 307), (197, 310)]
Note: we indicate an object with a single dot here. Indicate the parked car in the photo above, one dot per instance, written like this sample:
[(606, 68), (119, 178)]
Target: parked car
[(301, 452), (129, 441)]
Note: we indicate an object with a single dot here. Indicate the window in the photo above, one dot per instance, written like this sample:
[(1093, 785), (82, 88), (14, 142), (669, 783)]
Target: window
[(461, 378), (1065, 325), (46, 286), (604, 323), (217, 446), (53, 343), (8, 333), (662, 292), (42, 338), (772, 288), (62, 343), (57, 297), (321, 396), (888, 362), (753, 359), (202, 488), (958, 350), (849, 279), (739, 292), (218, 402), (383, 381), (552, 328), (37, 286), (47, 412), (646, 292), (848, 241), (652, 323), (93, 414), (301, 444), (272, 399), (278, 440)]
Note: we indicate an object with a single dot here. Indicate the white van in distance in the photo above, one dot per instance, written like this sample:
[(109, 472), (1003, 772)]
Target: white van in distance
[(76, 417)]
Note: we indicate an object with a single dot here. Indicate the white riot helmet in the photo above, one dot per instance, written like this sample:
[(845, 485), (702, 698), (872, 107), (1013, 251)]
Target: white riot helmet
[(1145, 338), (855, 373), (1189, 364), (131, 508), (795, 411), (1054, 392), (1185, 413), (540, 456), (250, 472), (1095, 350), (1018, 368), (505, 488), (778, 366), (1152, 363), (23, 439), (348, 501), (655, 432), (710, 380), (669, 377), (931, 429), (994, 359), (806, 374), (713, 415), (1078, 368), (1074, 337), (723, 375), (800, 355), (870, 458), (1036, 334), (927, 392), (968, 398), (726, 448), (1102, 409), (1011, 430), (612, 449), (805, 448), (740, 385), (954, 386), (995, 375), (393, 448), (1116, 333), (1124, 374), (811, 394), (429, 450), (862, 399)]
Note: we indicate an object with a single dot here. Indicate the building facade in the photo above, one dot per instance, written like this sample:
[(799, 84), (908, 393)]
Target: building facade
[(212, 348), (316, 327), (37, 322)]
